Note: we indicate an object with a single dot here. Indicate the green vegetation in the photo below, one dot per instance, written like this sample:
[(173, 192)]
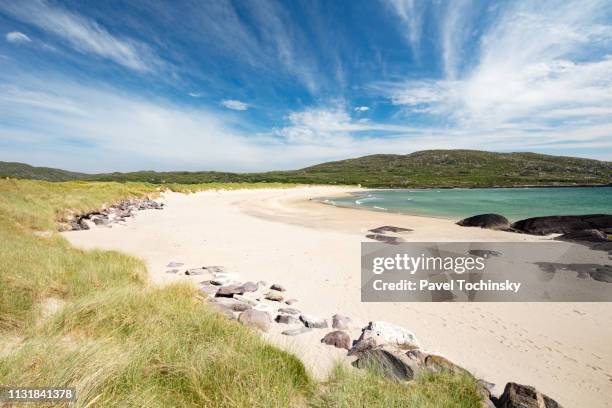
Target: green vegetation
[(90, 319), (426, 169), (25, 171)]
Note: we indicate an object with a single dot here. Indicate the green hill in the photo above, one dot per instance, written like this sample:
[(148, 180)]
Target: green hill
[(25, 171), (429, 168)]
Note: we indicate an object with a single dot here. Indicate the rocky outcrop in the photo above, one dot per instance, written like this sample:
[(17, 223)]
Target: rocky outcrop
[(563, 224), (113, 214), (489, 221), (524, 396)]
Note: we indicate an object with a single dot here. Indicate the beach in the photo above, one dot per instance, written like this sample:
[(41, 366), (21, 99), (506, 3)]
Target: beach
[(313, 249)]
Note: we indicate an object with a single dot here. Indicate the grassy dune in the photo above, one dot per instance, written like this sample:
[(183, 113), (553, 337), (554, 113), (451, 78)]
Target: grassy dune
[(91, 320)]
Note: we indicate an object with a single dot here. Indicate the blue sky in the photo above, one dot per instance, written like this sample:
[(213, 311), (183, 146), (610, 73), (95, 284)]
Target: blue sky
[(263, 85)]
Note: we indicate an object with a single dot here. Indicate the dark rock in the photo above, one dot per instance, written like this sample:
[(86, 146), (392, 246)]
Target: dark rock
[(525, 396), (563, 224), (389, 363), (601, 273), (249, 287), (341, 322), (385, 238), (313, 322), (295, 332), (230, 290), (484, 253), (276, 286), (338, 338), (489, 221), (255, 319), (590, 235), (389, 228), (287, 319)]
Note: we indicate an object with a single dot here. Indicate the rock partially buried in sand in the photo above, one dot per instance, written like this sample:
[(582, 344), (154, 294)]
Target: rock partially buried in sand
[(255, 319), (289, 310), (525, 396), (174, 264), (341, 322), (313, 322), (338, 338), (590, 235), (233, 304), (381, 333), (290, 301), (489, 221), (274, 295), (563, 224), (295, 332), (230, 290), (287, 319), (389, 228), (246, 300), (249, 287), (195, 271), (279, 287)]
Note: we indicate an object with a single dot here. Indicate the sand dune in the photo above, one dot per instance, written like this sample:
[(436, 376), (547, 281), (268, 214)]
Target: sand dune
[(314, 251)]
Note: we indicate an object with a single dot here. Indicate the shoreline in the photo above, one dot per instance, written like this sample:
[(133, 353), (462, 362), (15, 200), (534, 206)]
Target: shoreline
[(284, 236)]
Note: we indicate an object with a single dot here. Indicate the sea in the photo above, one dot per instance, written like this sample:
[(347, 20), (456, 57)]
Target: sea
[(513, 203)]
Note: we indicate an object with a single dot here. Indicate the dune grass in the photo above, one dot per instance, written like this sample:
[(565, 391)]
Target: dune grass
[(123, 342)]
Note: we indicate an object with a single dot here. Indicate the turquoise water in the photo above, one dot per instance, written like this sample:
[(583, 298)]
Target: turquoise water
[(513, 203)]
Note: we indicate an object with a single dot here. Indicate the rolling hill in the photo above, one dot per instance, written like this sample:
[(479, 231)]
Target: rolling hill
[(429, 168), (25, 171)]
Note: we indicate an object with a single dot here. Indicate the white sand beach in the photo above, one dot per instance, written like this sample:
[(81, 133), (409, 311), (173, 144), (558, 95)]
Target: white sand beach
[(313, 249)]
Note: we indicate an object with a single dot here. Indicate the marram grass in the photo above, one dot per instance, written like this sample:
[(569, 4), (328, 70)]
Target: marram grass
[(124, 343)]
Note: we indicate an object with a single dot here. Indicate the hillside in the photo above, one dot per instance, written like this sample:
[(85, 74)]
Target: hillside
[(25, 171), (429, 168)]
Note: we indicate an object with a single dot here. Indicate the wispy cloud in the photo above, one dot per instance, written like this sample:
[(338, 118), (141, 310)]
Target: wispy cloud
[(361, 109), (235, 105), (411, 13), (83, 34), (17, 37)]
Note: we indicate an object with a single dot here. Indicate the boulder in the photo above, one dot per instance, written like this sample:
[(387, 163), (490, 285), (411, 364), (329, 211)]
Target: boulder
[(484, 390), (381, 333), (255, 319), (276, 286), (489, 221), (589, 235), (249, 287), (563, 224), (287, 319), (524, 396), (246, 300), (390, 363), (230, 290), (289, 310), (233, 304), (313, 322), (208, 290), (274, 295), (341, 322), (295, 332), (437, 363), (338, 338), (262, 307)]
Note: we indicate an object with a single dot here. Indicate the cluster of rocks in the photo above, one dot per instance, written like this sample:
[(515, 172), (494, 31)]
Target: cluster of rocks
[(113, 214), (390, 349)]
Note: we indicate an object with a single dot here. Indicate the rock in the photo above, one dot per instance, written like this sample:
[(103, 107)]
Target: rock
[(214, 269), (437, 363), (295, 332), (250, 287), (287, 319), (233, 304), (589, 235), (230, 290), (174, 264), (484, 253), (525, 396), (266, 309), (220, 281), (195, 271), (274, 295), (563, 224), (289, 310), (417, 356), (386, 239), (338, 338), (313, 322), (290, 301), (341, 322), (489, 221), (276, 286), (223, 310), (172, 271), (255, 319), (390, 363), (246, 300), (484, 390), (208, 290), (380, 333), (389, 228)]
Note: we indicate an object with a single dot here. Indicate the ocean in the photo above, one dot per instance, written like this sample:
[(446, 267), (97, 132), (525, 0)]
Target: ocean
[(513, 203)]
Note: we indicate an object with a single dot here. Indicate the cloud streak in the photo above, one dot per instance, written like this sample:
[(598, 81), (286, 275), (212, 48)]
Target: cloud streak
[(235, 105), (17, 37)]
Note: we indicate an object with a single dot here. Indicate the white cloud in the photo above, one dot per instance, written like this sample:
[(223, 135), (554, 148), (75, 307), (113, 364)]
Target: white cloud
[(194, 94), (362, 109), (17, 37), (235, 105), (411, 12), (83, 34)]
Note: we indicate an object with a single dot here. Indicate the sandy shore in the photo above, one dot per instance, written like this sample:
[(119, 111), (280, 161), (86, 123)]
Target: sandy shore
[(564, 349)]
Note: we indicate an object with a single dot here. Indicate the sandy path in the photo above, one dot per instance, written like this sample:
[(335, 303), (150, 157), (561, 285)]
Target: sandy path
[(314, 250)]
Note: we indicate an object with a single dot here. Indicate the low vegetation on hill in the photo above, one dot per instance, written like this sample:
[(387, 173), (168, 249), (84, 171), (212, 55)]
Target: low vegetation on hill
[(425, 169), (91, 320)]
